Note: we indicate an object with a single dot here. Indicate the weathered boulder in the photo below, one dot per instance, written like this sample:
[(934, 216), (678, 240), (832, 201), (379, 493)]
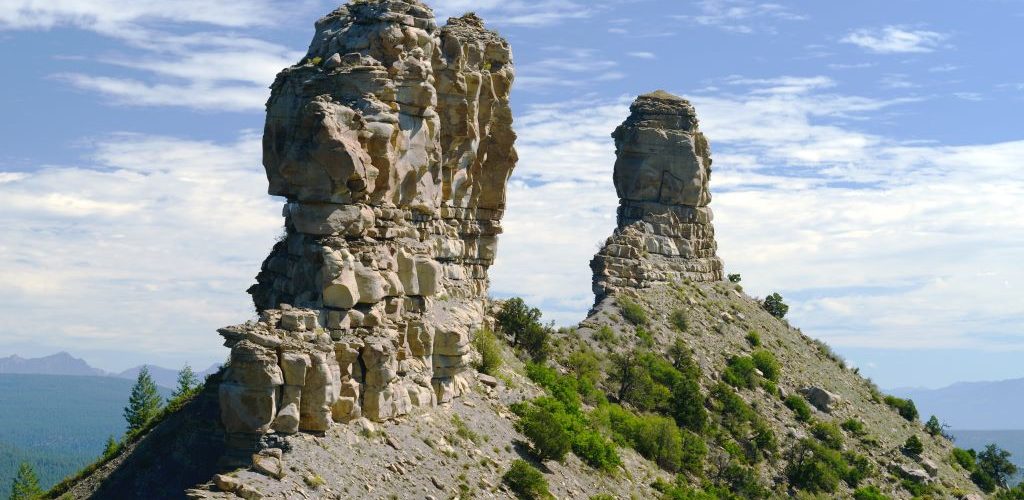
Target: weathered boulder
[(820, 398)]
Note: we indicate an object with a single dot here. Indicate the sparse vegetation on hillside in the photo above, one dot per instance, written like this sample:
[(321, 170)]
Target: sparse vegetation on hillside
[(526, 481), (144, 402), (486, 344), (905, 407)]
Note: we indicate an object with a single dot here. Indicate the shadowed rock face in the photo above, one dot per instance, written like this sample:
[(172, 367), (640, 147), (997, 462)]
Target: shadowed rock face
[(392, 142), (662, 172)]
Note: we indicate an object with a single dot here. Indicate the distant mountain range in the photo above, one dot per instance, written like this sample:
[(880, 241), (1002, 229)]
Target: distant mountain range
[(972, 405), (63, 363)]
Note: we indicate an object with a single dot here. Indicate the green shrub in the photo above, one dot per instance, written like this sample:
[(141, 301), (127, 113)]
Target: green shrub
[(769, 366), (905, 407), (743, 481), (828, 434), (682, 360), (933, 427), (735, 278), (645, 337), (913, 446), (983, 481), (564, 389), (490, 352), (544, 423), (526, 481), (656, 438), (26, 484), (740, 372), (687, 405), (595, 450), (679, 320), (753, 338), (632, 311), (799, 406), (818, 469), (775, 306), (869, 493), (853, 426), (605, 335), (522, 324), (964, 458)]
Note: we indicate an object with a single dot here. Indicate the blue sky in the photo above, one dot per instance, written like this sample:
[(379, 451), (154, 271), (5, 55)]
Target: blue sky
[(867, 166)]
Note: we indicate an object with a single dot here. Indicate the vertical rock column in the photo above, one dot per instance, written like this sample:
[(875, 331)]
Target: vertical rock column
[(662, 173), (392, 143)]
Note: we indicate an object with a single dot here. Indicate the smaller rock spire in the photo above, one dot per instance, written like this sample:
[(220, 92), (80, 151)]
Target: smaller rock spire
[(662, 172)]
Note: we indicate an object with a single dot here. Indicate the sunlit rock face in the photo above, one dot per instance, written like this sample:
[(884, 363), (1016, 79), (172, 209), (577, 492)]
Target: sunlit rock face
[(392, 144), (662, 172)]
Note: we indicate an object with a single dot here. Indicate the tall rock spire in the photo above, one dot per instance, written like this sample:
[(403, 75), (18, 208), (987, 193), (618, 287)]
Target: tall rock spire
[(662, 172), (392, 143)]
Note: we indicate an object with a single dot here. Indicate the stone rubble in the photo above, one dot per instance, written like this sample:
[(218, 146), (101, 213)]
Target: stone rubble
[(662, 173), (392, 143)]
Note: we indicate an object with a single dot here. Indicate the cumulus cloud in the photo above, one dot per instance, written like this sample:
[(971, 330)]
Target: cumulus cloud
[(870, 239), (144, 246), (896, 40)]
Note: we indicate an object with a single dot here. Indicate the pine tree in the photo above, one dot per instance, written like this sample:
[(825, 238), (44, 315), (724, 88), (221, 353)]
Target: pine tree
[(933, 426), (111, 447), (187, 383), (144, 402), (26, 484)]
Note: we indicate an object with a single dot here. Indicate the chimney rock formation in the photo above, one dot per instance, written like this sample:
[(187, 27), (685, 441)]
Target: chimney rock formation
[(392, 142), (662, 172)]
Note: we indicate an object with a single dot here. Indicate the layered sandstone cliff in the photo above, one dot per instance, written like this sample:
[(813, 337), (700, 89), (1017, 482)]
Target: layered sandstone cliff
[(662, 174), (392, 144)]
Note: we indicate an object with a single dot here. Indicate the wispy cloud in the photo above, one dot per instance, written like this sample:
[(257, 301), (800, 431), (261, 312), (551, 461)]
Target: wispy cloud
[(187, 68), (125, 18), (741, 16), (896, 40), (536, 13), (571, 67), (642, 55)]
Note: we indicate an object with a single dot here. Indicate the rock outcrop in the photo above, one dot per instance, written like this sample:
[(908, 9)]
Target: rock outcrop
[(662, 172), (392, 143)]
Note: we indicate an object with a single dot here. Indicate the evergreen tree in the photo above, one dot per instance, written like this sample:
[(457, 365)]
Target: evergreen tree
[(111, 447), (144, 403), (933, 426), (995, 462), (187, 383), (26, 484)]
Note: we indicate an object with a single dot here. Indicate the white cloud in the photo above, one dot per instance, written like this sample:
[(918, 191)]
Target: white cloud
[(896, 40), (643, 55), (197, 70), (150, 242), (571, 67), (533, 13), (884, 244), (123, 18), (741, 16)]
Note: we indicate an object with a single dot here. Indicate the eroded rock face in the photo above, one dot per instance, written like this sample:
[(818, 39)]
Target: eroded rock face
[(392, 142), (662, 174)]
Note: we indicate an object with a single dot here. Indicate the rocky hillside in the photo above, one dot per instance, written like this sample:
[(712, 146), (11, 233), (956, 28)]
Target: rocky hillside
[(379, 368)]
